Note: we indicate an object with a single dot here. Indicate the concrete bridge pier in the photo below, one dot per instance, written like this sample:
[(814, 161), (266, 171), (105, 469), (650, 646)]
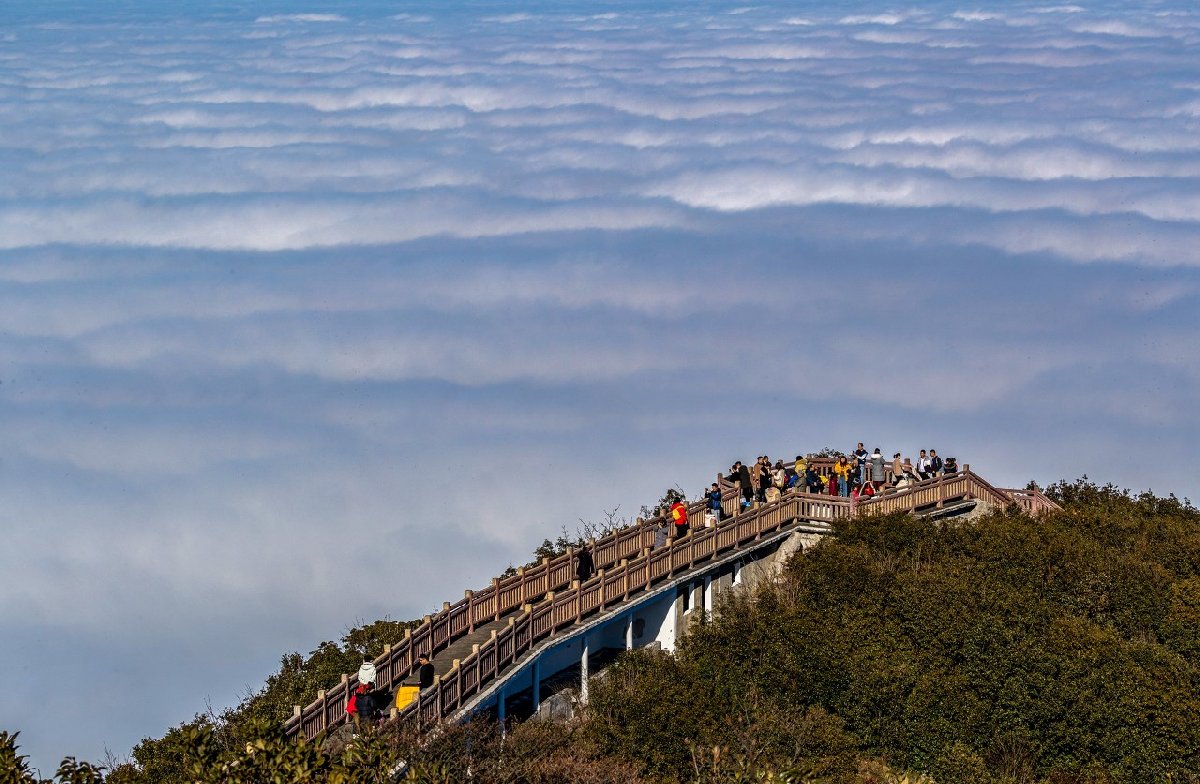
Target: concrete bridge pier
[(537, 685), (583, 672)]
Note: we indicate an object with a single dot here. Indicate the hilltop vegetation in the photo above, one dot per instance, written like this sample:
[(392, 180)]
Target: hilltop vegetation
[(1059, 650)]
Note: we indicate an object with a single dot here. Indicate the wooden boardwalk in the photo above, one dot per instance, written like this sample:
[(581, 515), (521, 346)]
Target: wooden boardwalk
[(476, 640)]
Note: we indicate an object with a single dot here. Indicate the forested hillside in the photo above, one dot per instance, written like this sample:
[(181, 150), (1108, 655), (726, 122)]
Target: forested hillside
[(1059, 649)]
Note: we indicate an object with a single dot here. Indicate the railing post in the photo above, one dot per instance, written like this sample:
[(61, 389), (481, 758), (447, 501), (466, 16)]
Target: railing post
[(600, 573), (625, 579), (470, 597), (496, 597)]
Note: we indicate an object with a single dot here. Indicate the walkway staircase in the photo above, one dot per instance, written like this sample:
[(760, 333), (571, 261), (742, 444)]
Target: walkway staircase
[(475, 641)]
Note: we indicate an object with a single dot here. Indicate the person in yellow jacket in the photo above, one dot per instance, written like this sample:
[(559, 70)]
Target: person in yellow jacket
[(842, 470)]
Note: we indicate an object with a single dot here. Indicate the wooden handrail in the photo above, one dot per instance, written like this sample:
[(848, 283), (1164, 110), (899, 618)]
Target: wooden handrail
[(625, 565), (504, 595), (633, 576)]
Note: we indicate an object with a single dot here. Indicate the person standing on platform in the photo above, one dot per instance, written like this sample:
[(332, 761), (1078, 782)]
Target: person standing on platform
[(935, 463), (680, 518), (812, 479), (860, 461), (361, 705), (842, 470), (585, 567), (714, 501), (424, 672), (878, 470), (744, 479)]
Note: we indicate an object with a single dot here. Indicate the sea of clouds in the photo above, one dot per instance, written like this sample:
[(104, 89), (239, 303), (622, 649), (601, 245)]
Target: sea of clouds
[(313, 314)]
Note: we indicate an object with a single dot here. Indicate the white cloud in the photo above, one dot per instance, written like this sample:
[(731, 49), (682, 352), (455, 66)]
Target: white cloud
[(881, 19), (275, 18), (268, 281)]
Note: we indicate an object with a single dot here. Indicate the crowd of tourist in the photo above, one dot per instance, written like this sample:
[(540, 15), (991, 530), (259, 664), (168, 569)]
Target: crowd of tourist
[(857, 474)]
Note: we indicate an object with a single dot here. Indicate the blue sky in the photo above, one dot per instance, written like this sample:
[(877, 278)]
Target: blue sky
[(290, 287)]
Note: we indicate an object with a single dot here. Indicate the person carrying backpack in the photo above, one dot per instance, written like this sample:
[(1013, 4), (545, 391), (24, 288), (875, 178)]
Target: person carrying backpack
[(680, 518), (362, 705)]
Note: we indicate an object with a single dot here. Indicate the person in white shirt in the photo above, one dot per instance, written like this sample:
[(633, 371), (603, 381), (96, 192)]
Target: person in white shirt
[(923, 466)]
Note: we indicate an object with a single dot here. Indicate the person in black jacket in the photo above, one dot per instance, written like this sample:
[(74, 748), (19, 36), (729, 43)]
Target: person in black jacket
[(812, 480), (743, 477), (424, 672), (585, 567)]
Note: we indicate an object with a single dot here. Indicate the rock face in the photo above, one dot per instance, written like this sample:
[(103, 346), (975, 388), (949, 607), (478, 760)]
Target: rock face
[(559, 708)]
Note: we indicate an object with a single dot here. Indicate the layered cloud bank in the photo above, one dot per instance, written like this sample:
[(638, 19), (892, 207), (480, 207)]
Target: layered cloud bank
[(420, 288)]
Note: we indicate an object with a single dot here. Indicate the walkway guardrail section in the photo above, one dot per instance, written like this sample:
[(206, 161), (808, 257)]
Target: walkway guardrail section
[(626, 563)]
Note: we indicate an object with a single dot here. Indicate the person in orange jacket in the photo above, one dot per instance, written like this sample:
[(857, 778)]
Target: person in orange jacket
[(680, 518)]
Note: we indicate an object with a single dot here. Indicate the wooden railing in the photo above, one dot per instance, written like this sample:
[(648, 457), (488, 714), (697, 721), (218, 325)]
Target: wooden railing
[(625, 563), (558, 610), (503, 596), (1032, 502)]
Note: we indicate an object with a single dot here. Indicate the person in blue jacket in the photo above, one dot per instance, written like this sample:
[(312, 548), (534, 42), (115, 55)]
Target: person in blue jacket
[(714, 500)]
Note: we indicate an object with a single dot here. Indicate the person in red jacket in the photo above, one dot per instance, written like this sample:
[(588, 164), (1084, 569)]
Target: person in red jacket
[(679, 517)]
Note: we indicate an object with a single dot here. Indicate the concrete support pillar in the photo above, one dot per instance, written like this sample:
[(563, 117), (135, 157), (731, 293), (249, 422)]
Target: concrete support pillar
[(537, 685), (629, 632), (583, 672), (708, 594)]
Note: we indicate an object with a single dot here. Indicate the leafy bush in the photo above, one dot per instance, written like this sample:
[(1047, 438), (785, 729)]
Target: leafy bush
[(1009, 648)]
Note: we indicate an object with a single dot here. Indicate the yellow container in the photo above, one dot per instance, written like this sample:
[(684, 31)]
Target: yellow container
[(405, 695)]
